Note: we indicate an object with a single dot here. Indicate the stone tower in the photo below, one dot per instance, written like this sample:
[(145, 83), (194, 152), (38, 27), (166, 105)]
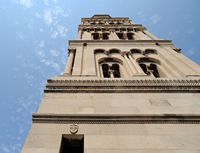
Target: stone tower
[(123, 91)]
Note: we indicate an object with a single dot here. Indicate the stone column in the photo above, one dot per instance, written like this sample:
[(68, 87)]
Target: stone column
[(136, 65), (79, 34), (125, 36), (71, 53), (113, 35), (131, 68), (100, 36)]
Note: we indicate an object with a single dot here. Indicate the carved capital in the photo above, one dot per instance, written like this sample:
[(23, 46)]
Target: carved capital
[(125, 53), (71, 50)]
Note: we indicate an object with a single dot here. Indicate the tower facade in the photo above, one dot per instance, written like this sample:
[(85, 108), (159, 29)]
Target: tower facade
[(123, 90)]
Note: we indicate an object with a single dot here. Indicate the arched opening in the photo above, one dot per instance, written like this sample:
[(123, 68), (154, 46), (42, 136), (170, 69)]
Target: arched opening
[(100, 23), (105, 36), (112, 51), (154, 70), (120, 35), (150, 51), (150, 67), (110, 68), (116, 71), (130, 36), (97, 51), (136, 51), (105, 69), (95, 36)]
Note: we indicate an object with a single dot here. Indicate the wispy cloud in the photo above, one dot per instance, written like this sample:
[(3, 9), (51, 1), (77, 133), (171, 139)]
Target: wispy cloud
[(155, 19), (52, 18), (26, 3), (48, 17)]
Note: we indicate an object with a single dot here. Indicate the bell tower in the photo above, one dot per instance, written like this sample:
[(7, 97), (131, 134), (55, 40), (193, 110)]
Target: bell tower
[(123, 90)]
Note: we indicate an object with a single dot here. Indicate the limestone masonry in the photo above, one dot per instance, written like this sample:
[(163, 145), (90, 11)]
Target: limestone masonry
[(124, 90)]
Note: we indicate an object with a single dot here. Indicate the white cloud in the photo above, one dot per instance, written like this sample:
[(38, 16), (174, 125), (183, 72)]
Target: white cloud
[(62, 30), (48, 17), (59, 30), (5, 148), (46, 2), (54, 53), (37, 15), (26, 3), (41, 43)]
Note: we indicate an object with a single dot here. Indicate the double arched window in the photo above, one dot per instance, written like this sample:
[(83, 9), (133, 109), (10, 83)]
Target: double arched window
[(150, 67), (100, 36), (110, 68)]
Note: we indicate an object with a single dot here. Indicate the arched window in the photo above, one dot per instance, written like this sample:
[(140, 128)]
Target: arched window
[(93, 23), (120, 35), (154, 70), (95, 36), (116, 71), (105, 36), (111, 23), (99, 51), (130, 36), (150, 51), (110, 69), (106, 70), (112, 51), (150, 67), (100, 23), (136, 51)]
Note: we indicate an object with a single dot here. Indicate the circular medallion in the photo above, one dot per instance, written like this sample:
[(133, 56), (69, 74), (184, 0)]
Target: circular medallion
[(73, 128)]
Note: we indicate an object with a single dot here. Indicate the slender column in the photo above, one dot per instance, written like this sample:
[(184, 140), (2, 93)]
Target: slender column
[(115, 35), (137, 67), (69, 67), (100, 35), (129, 64), (126, 65), (80, 34), (125, 36), (151, 35)]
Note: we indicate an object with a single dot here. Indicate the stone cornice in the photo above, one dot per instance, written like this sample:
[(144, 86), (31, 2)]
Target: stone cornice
[(117, 119), (107, 19), (138, 26), (122, 85), (132, 42)]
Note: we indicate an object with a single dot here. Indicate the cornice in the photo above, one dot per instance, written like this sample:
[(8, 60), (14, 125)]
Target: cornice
[(99, 42), (115, 18), (117, 119), (112, 26), (122, 85)]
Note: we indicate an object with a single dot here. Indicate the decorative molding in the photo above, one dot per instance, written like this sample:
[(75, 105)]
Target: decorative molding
[(122, 85), (113, 26), (73, 128), (168, 42), (117, 119)]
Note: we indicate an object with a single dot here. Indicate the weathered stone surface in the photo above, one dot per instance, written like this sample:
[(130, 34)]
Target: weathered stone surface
[(124, 90)]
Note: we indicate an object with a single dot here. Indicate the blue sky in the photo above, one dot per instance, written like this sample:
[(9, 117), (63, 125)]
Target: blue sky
[(34, 38)]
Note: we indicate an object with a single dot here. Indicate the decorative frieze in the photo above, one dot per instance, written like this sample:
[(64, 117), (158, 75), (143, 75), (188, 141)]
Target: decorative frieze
[(117, 119), (122, 85)]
